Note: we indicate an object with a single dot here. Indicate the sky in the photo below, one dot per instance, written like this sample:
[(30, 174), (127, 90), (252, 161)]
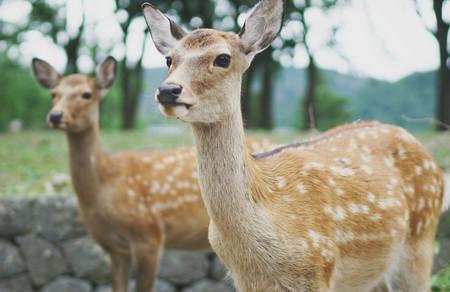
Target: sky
[(383, 39)]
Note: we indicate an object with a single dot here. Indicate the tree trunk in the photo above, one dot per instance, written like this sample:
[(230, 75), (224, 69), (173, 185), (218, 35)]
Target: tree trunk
[(309, 104), (443, 80), (246, 97), (265, 119), (72, 55), (131, 89), (127, 98)]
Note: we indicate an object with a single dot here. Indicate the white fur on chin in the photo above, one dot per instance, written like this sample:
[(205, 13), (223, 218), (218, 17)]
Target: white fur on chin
[(173, 111)]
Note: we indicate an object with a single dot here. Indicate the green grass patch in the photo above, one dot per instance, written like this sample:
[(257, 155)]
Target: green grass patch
[(29, 160)]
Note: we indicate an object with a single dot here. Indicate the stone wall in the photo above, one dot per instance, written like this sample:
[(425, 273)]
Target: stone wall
[(45, 248)]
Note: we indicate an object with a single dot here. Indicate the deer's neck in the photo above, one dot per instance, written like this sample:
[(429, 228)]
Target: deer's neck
[(86, 163), (223, 170)]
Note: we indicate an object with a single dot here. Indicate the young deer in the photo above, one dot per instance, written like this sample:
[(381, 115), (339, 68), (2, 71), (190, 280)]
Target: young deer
[(347, 211), (131, 203)]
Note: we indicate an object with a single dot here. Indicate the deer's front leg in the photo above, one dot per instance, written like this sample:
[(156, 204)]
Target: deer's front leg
[(120, 265), (146, 252)]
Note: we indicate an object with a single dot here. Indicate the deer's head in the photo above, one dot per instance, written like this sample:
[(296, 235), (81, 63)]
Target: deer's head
[(75, 97), (206, 65)]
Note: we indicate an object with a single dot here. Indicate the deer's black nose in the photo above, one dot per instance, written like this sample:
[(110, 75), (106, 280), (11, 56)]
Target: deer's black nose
[(55, 117), (168, 93)]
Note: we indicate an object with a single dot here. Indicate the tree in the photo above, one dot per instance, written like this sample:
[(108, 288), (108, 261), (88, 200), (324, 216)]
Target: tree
[(45, 15), (440, 32), (297, 12)]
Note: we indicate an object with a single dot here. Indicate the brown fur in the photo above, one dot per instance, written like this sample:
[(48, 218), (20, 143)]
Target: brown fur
[(351, 210), (132, 203)]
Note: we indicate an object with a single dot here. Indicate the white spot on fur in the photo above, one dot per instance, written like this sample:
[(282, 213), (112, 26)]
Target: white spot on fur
[(281, 182), (315, 237), (358, 208), (342, 171), (340, 192), (332, 182), (420, 204), (159, 166), (419, 227), (344, 236), (389, 161), (375, 217), (401, 152), (371, 197), (328, 255), (418, 169), (337, 213), (301, 188), (154, 187), (313, 165), (367, 169), (303, 244), (146, 159), (426, 164), (131, 193)]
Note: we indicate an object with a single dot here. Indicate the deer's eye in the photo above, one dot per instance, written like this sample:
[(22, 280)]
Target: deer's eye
[(223, 60), (168, 61), (86, 95)]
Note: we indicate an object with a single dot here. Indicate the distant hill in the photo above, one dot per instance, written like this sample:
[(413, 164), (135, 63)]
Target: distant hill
[(412, 96)]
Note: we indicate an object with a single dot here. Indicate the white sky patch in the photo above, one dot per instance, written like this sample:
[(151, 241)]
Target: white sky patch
[(383, 39)]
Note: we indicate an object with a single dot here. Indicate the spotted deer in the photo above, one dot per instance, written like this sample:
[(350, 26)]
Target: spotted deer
[(131, 203), (351, 210)]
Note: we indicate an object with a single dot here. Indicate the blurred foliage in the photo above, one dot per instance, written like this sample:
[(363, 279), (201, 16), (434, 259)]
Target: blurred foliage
[(441, 281), (21, 97), (332, 109)]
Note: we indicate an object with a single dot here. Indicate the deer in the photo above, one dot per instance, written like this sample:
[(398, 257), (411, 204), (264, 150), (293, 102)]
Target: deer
[(353, 209), (132, 203)]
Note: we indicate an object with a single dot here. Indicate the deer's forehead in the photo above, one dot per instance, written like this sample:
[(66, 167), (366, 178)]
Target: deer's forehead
[(204, 39), (73, 84)]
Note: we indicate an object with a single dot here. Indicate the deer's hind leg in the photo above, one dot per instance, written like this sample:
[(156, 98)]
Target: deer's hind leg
[(120, 265), (414, 270)]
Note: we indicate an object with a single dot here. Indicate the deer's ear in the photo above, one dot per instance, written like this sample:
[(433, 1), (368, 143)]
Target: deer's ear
[(45, 73), (106, 73), (261, 27), (164, 31)]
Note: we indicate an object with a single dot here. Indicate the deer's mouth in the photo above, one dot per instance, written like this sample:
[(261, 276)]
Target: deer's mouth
[(175, 104), (174, 109)]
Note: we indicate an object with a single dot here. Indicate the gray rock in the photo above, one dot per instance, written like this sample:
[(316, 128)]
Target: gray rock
[(160, 286), (67, 284), (19, 283), (15, 217), (163, 286), (43, 260), (207, 285), (218, 270), (56, 218), (182, 268), (442, 259), (10, 259), (87, 260)]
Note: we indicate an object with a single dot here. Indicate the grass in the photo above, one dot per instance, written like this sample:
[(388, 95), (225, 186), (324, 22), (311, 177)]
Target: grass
[(29, 160)]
